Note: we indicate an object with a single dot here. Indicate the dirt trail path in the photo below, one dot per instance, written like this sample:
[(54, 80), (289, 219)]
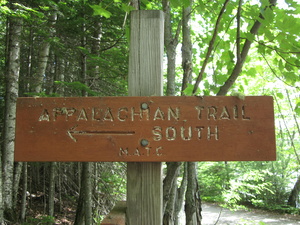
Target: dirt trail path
[(211, 213)]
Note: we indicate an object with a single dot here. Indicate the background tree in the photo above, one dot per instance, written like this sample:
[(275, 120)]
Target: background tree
[(12, 77)]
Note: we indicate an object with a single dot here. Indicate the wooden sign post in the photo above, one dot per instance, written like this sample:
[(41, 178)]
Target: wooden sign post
[(144, 129), (144, 180)]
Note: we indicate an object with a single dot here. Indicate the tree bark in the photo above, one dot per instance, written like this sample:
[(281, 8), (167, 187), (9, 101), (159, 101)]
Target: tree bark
[(181, 194), (169, 192), (172, 170), (17, 175), (170, 42), (192, 196), (52, 172), (24, 192), (186, 49), (84, 206), (294, 195), (44, 55), (12, 78), (192, 201), (1, 190)]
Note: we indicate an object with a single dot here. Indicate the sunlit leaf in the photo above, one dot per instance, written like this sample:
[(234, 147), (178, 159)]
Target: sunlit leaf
[(100, 11)]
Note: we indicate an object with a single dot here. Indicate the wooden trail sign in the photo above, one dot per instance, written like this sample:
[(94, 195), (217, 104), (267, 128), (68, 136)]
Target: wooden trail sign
[(145, 129)]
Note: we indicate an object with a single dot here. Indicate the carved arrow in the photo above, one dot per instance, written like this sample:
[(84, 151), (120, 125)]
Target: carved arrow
[(72, 132)]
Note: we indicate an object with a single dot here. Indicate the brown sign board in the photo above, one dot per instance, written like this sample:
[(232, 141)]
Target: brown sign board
[(145, 129)]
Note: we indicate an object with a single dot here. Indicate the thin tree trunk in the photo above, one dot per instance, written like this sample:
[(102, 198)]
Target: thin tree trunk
[(40, 74), (24, 192), (52, 188), (51, 74), (192, 201), (17, 175), (96, 45), (172, 170), (1, 190), (170, 192), (192, 196), (294, 195), (170, 42), (180, 195), (88, 192), (12, 79), (186, 49), (44, 55), (84, 209)]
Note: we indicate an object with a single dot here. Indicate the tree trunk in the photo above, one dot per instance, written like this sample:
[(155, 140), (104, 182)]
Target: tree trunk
[(186, 49), (180, 195), (96, 46), (192, 196), (87, 170), (171, 176), (84, 206), (294, 195), (44, 55), (17, 175), (1, 189), (170, 192), (24, 192), (170, 42), (51, 188), (12, 78), (51, 75)]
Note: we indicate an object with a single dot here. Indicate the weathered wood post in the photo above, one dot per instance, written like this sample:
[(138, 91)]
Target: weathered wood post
[(144, 180)]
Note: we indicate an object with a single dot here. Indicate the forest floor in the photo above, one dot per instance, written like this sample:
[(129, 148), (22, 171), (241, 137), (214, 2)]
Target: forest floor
[(213, 214)]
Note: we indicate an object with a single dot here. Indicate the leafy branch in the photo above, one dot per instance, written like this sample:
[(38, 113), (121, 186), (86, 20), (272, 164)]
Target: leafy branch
[(238, 66), (210, 47)]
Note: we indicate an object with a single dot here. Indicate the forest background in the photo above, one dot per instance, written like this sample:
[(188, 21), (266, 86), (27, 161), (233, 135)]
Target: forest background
[(80, 48)]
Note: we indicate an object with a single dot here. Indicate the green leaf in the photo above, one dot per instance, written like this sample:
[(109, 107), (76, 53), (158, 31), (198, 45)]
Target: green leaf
[(127, 8), (279, 95), (250, 36), (175, 3), (297, 109), (252, 72), (189, 90), (186, 3), (100, 11)]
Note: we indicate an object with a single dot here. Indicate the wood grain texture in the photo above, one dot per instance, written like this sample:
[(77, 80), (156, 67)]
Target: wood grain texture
[(146, 54), (177, 128), (144, 180)]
